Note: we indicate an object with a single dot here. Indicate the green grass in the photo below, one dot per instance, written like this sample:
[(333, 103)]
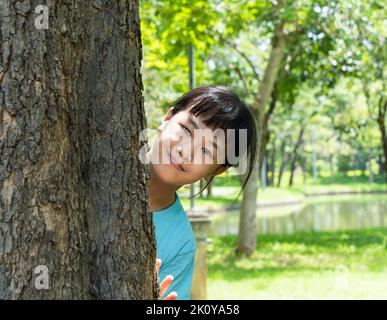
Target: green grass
[(297, 193), (324, 265), (340, 183)]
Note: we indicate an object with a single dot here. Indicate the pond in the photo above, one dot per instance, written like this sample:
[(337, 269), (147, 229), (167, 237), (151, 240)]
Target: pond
[(329, 213)]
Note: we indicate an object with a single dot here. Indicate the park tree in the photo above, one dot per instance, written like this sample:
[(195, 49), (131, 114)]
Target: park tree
[(301, 34), (73, 202), (352, 124), (315, 55), (370, 40)]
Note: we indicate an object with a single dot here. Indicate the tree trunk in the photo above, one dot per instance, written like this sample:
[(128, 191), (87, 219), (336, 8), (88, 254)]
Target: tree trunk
[(272, 163), (382, 110), (267, 168), (380, 119), (369, 167), (284, 161), (247, 239), (73, 192), (303, 166), (294, 156), (380, 164), (201, 186), (209, 188), (247, 231)]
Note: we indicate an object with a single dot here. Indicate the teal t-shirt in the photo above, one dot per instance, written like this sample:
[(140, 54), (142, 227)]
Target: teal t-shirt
[(175, 247)]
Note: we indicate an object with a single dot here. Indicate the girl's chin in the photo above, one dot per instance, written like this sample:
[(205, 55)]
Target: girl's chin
[(171, 175), (166, 171)]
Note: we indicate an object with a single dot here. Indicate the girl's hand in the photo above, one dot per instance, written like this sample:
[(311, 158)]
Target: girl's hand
[(164, 285)]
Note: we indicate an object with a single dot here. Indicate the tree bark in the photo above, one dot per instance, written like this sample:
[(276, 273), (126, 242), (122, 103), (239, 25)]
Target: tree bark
[(247, 232), (73, 192), (247, 240)]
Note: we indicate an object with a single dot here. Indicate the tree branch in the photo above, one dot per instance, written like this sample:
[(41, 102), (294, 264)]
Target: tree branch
[(242, 54)]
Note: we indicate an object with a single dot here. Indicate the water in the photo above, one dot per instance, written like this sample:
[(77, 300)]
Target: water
[(317, 214)]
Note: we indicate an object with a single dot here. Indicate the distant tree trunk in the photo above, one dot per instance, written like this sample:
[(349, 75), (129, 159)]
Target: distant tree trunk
[(247, 224), (209, 188), (247, 228), (267, 167), (73, 192), (284, 161), (272, 163), (201, 185), (355, 165), (382, 110), (331, 168), (303, 165), (380, 119), (380, 164), (370, 172), (294, 156)]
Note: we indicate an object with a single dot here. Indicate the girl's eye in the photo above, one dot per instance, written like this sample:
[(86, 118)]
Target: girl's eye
[(186, 129), (206, 151)]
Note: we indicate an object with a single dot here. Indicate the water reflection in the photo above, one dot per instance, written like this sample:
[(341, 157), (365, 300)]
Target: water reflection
[(320, 214)]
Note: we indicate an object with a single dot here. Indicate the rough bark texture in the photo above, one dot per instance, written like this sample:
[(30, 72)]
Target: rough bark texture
[(73, 193), (247, 231)]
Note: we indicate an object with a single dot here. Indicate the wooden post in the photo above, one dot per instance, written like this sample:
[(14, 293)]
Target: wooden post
[(200, 223)]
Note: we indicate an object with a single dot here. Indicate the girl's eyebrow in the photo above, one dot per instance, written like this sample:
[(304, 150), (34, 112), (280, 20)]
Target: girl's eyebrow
[(192, 121)]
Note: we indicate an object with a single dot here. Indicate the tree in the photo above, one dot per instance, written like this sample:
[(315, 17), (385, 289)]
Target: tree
[(247, 226), (73, 192), (371, 41), (302, 36)]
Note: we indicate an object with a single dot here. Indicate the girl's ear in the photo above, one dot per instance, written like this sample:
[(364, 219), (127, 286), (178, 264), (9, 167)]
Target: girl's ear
[(218, 171), (166, 118)]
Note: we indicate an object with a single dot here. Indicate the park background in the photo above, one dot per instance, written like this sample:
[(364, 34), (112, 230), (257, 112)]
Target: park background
[(313, 73)]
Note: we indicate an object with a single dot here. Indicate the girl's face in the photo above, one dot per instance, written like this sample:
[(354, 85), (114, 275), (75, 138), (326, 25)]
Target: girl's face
[(186, 150)]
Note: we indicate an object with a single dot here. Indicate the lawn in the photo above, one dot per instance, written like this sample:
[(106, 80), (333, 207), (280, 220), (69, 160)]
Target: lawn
[(324, 265), (226, 189)]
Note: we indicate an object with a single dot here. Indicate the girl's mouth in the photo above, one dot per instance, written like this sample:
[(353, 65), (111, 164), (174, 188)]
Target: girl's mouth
[(175, 164)]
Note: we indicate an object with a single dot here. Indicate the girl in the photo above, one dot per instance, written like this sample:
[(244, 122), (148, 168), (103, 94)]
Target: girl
[(182, 143)]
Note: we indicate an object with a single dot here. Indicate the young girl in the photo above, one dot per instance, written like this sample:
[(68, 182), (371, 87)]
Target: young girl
[(190, 153)]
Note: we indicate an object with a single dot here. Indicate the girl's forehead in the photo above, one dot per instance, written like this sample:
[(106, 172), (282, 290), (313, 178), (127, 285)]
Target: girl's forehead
[(197, 121), (220, 135)]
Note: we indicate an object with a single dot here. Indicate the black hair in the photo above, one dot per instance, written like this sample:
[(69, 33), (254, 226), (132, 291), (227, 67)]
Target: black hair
[(219, 107)]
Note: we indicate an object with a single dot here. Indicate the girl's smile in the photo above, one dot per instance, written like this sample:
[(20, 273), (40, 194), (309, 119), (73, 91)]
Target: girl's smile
[(175, 164)]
